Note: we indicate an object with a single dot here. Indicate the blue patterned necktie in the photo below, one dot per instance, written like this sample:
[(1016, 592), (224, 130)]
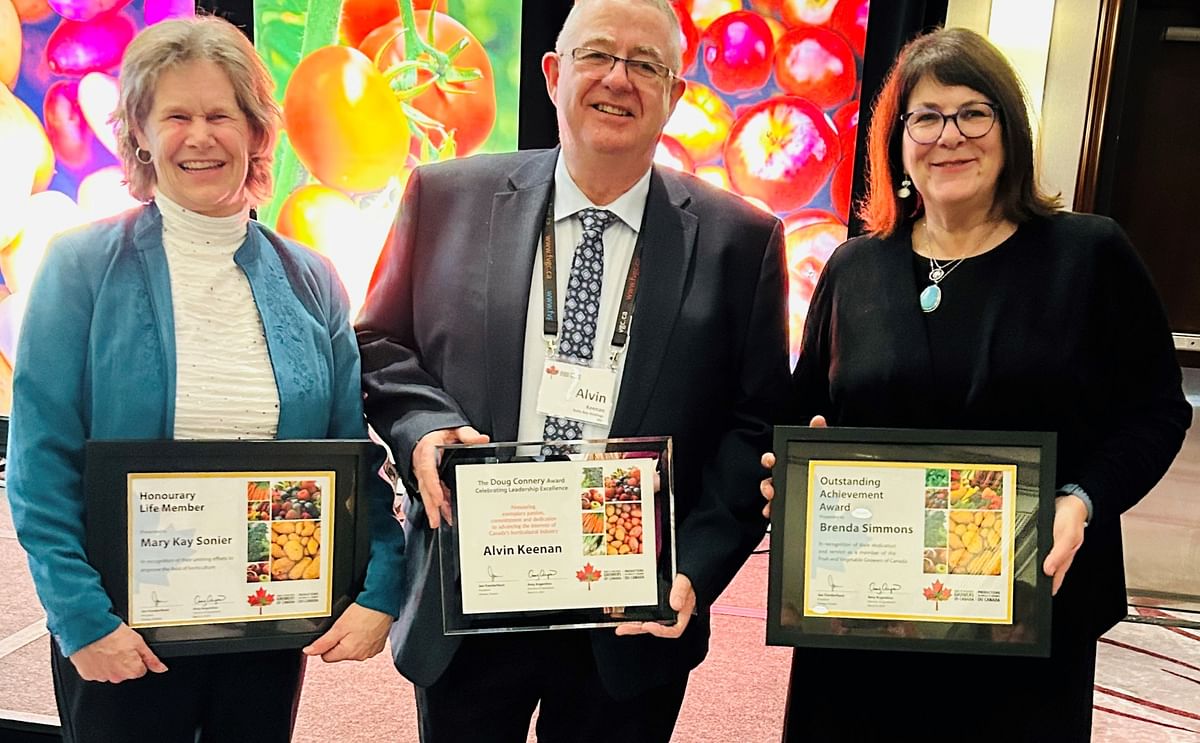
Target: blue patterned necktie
[(577, 335)]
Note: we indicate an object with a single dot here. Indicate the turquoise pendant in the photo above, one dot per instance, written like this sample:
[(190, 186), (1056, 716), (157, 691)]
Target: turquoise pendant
[(931, 297)]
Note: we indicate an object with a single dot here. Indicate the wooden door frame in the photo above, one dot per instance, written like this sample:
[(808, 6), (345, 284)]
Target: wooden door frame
[(1088, 177)]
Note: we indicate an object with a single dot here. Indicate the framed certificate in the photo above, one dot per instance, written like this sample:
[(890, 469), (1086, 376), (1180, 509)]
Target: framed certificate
[(224, 546), (578, 534), (911, 540)]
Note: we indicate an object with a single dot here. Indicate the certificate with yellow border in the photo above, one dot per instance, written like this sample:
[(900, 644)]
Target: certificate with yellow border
[(910, 539)]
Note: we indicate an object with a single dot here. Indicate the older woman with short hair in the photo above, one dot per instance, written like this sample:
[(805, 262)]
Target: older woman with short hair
[(975, 303), (181, 319)]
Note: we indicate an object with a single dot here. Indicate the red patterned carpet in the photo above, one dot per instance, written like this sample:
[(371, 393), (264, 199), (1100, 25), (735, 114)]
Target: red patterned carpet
[(1147, 682)]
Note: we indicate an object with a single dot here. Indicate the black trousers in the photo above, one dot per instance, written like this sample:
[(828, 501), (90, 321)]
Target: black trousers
[(490, 691), (860, 695), (202, 699)]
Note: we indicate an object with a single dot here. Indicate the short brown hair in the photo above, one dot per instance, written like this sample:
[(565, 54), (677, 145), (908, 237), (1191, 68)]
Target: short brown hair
[(173, 42), (951, 56)]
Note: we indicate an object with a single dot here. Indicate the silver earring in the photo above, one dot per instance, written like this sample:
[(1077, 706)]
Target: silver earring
[(138, 154), (905, 189)]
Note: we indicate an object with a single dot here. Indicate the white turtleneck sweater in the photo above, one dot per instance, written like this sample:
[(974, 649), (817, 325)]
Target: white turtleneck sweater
[(224, 382)]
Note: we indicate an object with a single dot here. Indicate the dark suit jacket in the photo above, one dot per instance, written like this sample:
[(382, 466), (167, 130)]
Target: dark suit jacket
[(443, 334)]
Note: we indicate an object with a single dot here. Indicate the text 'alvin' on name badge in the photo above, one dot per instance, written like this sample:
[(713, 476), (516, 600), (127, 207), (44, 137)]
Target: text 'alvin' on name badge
[(577, 392)]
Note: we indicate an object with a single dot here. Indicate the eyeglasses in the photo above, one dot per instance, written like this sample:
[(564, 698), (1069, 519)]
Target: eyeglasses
[(596, 64), (973, 120)]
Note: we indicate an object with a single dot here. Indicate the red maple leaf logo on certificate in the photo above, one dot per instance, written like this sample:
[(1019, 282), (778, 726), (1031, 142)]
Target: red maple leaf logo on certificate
[(588, 575), (261, 598), (552, 370), (937, 593)]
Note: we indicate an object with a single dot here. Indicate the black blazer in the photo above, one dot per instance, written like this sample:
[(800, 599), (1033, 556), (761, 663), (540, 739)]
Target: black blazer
[(443, 334)]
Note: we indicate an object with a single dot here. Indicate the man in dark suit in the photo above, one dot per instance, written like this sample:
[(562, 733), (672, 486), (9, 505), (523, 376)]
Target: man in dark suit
[(453, 348)]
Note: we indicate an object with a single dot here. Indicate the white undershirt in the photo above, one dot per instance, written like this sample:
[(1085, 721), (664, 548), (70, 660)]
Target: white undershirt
[(619, 240), (224, 382)]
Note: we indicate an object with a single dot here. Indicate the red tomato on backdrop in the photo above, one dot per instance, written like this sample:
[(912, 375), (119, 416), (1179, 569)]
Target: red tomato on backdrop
[(672, 154), (689, 35), (765, 7), (737, 51), (68, 130), (361, 17), (85, 10), (344, 122), (805, 217), (781, 150), (705, 12), (845, 120), (816, 64), (314, 215), (469, 115), (714, 174), (806, 12), (701, 122), (850, 20), (839, 188), (77, 48), (806, 251)]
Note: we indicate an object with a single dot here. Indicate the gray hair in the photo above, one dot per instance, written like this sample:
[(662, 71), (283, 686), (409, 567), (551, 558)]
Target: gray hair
[(674, 51), (174, 42)]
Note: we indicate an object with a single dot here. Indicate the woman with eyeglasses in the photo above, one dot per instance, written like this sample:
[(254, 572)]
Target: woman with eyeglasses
[(975, 302)]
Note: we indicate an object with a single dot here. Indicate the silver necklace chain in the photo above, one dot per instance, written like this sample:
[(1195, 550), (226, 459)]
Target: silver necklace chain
[(939, 271)]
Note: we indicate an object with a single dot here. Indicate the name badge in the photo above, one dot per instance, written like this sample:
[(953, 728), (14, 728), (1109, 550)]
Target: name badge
[(580, 393)]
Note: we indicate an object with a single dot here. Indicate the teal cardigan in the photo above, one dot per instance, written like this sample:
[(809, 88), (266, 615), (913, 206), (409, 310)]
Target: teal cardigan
[(96, 360)]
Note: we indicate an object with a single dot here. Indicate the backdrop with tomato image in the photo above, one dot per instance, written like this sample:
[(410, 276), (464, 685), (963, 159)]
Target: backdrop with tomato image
[(771, 114), (370, 89), (58, 86)]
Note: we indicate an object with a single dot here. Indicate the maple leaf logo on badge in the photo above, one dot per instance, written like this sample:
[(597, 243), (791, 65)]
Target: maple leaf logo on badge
[(552, 370), (588, 575), (261, 598), (937, 593)]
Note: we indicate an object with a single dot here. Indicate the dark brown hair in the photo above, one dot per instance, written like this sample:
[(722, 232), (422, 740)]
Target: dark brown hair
[(951, 56)]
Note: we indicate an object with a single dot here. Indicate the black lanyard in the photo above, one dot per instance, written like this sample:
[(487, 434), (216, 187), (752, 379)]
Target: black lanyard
[(550, 290)]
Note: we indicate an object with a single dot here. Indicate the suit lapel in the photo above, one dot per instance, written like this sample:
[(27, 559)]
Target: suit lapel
[(667, 241), (516, 222)]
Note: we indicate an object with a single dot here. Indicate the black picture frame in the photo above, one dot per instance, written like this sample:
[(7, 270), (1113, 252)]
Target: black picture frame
[(106, 478), (456, 621), (1032, 453)]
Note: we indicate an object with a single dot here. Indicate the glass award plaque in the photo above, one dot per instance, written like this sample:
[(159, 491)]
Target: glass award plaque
[(559, 535)]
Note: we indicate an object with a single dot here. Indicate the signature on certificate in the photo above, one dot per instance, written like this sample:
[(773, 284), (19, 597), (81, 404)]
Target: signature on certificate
[(882, 589), (833, 585), (542, 574), (154, 599), (209, 601), (492, 574)]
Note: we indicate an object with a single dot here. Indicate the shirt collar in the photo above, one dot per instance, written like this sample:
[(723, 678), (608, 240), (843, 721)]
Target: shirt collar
[(568, 199)]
